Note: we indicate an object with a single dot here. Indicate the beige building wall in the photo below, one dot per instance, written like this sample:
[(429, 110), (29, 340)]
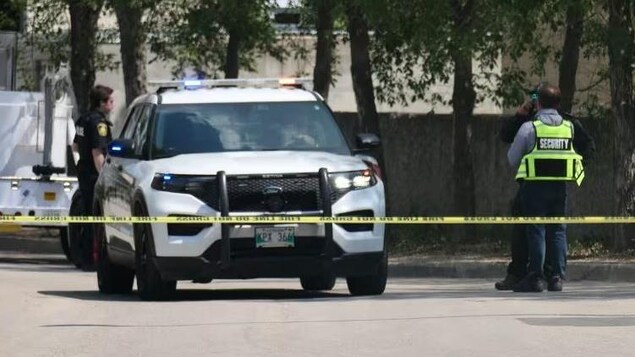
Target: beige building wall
[(341, 96)]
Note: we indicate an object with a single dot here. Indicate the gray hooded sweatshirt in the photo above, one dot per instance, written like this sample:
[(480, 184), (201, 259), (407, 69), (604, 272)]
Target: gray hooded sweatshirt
[(526, 136)]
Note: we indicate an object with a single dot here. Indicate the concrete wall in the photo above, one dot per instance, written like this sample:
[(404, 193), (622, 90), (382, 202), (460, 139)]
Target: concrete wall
[(341, 96), (418, 153)]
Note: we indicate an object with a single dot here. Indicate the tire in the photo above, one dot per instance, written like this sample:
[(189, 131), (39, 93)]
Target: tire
[(150, 285), (318, 283), (64, 243), (371, 284), (111, 278)]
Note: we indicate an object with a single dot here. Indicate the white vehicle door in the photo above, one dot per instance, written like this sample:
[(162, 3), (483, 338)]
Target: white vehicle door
[(117, 183)]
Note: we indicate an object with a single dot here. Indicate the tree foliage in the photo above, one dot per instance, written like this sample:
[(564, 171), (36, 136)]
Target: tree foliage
[(47, 35), (11, 14), (415, 41), (198, 35)]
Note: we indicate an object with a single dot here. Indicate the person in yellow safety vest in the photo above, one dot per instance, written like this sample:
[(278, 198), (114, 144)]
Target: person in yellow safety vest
[(545, 159), (583, 143)]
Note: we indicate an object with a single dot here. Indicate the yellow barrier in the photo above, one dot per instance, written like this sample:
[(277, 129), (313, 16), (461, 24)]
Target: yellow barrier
[(317, 219)]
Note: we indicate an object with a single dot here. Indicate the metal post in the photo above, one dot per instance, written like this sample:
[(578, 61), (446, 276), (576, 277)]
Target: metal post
[(327, 211), (49, 110), (221, 178)]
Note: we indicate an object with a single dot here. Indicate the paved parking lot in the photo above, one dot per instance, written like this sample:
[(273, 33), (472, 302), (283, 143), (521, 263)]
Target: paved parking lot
[(54, 310)]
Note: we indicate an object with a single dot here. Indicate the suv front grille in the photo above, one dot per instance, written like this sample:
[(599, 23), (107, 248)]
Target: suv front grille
[(257, 193)]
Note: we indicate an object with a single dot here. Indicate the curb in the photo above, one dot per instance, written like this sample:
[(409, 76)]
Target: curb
[(39, 259), (35, 249), (487, 269)]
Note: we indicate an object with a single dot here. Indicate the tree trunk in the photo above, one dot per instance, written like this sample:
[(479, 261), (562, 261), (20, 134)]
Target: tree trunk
[(620, 48), (84, 15), (361, 69), (232, 61), (132, 48), (368, 119), (463, 100), (324, 48), (571, 54)]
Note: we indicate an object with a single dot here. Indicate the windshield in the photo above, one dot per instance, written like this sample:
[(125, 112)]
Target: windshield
[(220, 127)]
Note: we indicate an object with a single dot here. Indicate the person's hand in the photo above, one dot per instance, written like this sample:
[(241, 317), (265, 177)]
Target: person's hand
[(526, 108)]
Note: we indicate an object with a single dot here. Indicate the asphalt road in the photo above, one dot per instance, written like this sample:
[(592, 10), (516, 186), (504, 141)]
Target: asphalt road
[(54, 310)]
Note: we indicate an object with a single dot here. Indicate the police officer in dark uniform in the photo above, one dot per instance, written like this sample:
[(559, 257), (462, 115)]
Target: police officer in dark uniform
[(93, 133)]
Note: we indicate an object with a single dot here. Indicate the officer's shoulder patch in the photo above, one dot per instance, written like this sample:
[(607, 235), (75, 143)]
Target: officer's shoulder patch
[(102, 129)]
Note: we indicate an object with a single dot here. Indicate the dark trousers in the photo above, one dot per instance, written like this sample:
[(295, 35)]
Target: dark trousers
[(520, 255), (545, 199), (519, 245), (87, 189)]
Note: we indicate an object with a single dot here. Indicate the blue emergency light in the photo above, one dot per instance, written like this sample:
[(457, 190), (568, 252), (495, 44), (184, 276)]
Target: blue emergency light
[(192, 83)]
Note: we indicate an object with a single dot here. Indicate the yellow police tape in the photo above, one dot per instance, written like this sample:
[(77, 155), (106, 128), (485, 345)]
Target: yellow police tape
[(41, 220)]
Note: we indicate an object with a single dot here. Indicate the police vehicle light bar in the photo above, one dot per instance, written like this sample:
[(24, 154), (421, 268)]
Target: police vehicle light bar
[(238, 82)]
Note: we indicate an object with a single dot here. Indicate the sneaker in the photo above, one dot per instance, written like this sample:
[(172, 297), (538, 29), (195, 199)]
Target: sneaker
[(531, 284), (507, 283), (555, 283)]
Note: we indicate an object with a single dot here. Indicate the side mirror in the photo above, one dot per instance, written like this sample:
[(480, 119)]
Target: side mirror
[(121, 148), (367, 141)]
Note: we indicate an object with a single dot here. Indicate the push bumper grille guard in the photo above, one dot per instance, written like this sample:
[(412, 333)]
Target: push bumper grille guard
[(224, 212), (327, 211)]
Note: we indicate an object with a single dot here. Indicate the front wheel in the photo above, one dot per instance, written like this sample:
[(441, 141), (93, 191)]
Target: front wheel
[(149, 282), (373, 284)]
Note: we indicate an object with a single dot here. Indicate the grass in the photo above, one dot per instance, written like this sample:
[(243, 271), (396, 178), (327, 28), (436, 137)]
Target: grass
[(439, 240)]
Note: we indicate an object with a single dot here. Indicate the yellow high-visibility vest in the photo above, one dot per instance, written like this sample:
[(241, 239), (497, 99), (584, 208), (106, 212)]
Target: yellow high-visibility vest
[(553, 157)]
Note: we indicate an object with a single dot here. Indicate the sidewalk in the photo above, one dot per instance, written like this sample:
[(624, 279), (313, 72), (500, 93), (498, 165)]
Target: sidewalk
[(495, 268)]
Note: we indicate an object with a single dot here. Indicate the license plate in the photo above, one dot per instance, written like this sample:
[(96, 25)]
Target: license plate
[(49, 196), (51, 213), (275, 237)]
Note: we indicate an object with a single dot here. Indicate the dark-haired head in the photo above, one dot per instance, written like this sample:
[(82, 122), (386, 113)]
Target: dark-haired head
[(101, 98)]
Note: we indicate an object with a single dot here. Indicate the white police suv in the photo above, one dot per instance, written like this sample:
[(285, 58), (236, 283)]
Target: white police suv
[(237, 148)]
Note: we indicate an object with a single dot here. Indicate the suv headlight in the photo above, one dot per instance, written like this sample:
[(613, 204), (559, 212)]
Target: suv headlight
[(354, 180), (190, 184)]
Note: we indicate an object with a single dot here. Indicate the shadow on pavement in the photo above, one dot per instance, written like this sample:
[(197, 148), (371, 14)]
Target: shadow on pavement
[(459, 289), (581, 321), (570, 320), (90, 295), (580, 291), (205, 295)]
